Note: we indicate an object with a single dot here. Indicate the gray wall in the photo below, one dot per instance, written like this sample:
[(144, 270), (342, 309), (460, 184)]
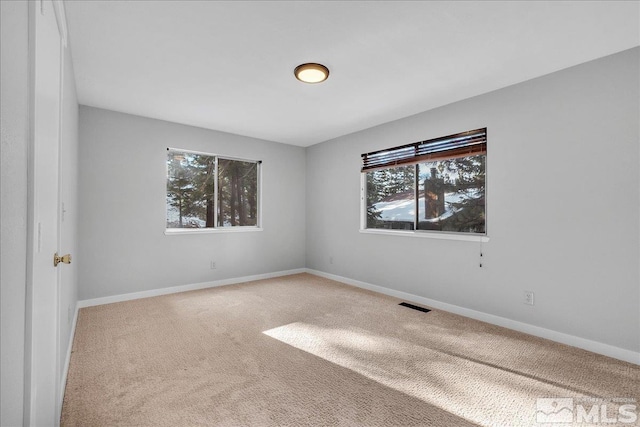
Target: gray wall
[(14, 122), (122, 187), (563, 205)]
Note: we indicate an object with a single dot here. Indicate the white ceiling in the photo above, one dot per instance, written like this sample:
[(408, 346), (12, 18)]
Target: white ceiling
[(229, 65)]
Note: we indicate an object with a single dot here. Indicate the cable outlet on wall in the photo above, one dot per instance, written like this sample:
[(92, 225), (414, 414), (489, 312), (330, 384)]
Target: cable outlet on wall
[(212, 265), (528, 297)]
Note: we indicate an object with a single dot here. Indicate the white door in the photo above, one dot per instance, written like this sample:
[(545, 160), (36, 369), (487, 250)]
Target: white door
[(42, 314)]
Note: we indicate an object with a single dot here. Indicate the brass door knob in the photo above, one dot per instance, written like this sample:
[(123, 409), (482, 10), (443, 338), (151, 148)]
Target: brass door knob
[(57, 259)]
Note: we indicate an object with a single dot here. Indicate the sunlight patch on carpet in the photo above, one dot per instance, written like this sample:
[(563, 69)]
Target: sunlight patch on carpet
[(451, 383)]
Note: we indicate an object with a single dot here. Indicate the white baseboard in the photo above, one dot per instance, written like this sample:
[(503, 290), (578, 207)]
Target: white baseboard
[(184, 288), (583, 343), (67, 360)]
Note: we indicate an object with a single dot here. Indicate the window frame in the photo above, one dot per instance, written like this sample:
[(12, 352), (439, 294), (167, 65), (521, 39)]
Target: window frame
[(216, 228), (433, 234)]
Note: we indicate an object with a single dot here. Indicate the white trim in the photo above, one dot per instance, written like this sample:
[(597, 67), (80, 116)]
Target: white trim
[(571, 340), (212, 230), (184, 288), (259, 196), (67, 360), (216, 192), (61, 19), (427, 235), (363, 203), (28, 389), (61, 100)]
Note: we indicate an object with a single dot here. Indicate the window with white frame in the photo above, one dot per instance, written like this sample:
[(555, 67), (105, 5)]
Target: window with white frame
[(436, 185), (207, 191)]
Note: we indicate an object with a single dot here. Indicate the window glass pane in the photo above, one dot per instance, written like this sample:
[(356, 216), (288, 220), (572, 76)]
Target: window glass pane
[(237, 193), (451, 195), (391, 198), (190, 190)]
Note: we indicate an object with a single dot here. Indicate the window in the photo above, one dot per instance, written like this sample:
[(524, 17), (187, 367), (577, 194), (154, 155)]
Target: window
[(434, 185), (206, 191)]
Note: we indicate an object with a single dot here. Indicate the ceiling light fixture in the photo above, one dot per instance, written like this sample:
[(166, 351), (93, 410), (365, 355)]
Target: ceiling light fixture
[(311, 73)]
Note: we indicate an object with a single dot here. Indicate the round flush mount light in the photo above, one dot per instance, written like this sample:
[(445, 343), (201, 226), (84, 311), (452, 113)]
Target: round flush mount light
[(311, 73)]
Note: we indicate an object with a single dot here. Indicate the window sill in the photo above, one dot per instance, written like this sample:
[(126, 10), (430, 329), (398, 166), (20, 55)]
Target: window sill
[(177, 231), (427, 235)]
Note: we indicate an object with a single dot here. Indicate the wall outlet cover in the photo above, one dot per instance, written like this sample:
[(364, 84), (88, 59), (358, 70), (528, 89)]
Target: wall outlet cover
[(528, 297)]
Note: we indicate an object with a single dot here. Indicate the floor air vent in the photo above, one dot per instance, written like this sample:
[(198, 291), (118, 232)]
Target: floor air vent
[(415, 307)]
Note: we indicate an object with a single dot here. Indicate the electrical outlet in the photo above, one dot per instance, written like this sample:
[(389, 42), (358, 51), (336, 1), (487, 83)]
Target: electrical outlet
[(330, 260), (528, 297), (213, 265)]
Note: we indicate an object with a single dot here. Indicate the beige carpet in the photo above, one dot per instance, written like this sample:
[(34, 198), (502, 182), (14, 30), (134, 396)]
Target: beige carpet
[(305, 351)]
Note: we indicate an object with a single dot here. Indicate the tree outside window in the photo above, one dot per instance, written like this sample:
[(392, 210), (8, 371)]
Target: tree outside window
[(208, 191)]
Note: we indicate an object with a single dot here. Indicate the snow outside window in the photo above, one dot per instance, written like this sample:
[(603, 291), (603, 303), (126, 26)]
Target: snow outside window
[(445, 192)]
